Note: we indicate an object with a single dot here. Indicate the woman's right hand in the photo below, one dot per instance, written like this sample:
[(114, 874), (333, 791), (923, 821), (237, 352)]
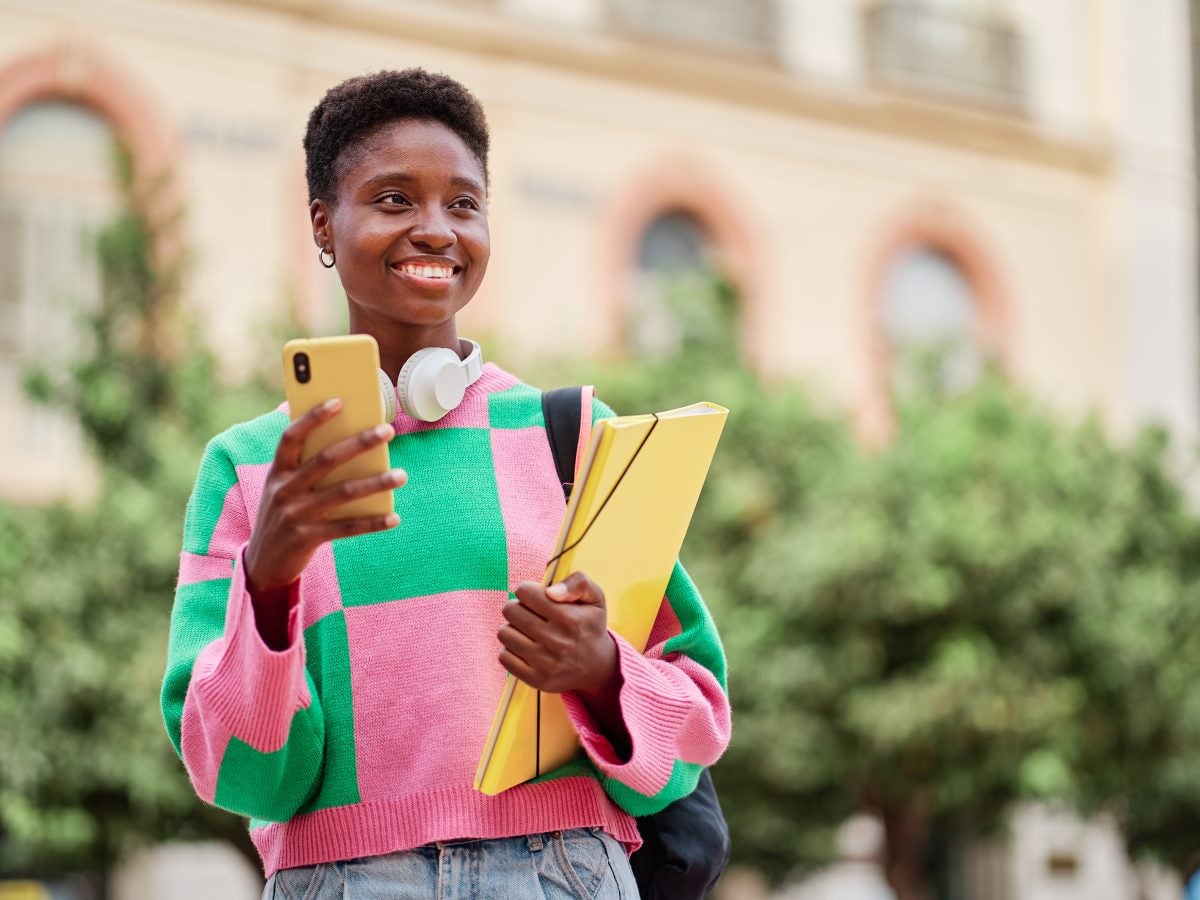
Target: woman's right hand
[(292, 522)]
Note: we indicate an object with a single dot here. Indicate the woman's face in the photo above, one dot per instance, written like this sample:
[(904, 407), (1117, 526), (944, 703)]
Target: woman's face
[(409, 227)]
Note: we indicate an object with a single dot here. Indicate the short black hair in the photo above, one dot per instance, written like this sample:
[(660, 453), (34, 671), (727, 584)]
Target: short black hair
[(358, 107)]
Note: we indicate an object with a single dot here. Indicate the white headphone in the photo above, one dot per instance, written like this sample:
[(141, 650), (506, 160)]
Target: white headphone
[(432, 382)]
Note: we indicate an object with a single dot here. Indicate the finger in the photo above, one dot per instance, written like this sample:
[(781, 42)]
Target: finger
[(519, 668), (335, 495), (291, 443), (332, 529), (556, 616), (576, 588), (533, 597), (525, 620), (329, 458), (518, 644)]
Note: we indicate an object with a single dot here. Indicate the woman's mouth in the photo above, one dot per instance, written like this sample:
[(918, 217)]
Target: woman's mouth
[(426, 274)]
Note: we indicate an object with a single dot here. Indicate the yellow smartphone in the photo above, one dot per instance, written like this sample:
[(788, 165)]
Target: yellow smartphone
[(345, 367)]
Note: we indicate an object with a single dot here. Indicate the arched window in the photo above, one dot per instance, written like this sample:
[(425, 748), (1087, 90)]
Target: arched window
[(57, 187), (673, 242), (673, 285), (929, 317)]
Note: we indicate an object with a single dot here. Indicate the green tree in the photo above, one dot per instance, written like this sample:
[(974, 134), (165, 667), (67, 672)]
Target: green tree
[(994, 606), (1147, 769), (86, 771)]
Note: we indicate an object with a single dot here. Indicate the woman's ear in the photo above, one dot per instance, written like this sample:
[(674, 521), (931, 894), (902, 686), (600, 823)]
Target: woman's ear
[(318, 212)]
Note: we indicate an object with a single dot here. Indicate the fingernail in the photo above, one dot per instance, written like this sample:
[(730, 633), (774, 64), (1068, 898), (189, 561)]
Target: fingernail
[(330, 404), (385, 432), (557, 591), (398, 476), (392, 520)]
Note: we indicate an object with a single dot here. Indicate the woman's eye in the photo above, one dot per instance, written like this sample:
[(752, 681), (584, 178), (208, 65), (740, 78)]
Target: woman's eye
[(464, 203), (395, 199)]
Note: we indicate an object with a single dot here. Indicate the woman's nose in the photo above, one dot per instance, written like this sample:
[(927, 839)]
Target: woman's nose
[(432, 229)]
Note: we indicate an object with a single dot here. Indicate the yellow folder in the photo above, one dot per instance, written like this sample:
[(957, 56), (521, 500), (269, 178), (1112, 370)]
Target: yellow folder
[(625, 522)]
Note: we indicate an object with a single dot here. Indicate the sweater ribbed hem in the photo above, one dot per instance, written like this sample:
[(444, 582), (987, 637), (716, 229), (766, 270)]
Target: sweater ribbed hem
[(253, 690), (654, 713), (440, 814)]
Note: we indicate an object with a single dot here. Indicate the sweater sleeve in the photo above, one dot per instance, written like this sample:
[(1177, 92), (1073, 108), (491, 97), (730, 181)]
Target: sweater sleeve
[(674, 704), (245, 719)]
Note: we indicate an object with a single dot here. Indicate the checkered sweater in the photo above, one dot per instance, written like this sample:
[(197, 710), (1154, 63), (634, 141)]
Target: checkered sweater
[(362, 737)]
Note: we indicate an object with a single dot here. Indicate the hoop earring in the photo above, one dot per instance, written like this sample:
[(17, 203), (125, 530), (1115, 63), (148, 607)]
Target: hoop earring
[(332, 258)]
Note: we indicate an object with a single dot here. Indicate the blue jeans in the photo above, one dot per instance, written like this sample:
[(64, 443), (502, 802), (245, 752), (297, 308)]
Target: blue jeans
[(583, 863)]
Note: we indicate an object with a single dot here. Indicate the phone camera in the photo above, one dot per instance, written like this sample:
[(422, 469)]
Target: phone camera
[(300, 366)]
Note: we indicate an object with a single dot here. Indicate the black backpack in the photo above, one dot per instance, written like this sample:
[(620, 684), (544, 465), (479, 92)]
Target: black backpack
[(685, 846)]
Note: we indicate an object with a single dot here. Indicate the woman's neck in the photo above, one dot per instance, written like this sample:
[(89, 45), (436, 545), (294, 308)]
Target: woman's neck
[(397, 342)]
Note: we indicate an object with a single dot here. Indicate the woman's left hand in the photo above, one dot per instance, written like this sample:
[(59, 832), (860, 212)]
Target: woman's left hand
[(556, 639)]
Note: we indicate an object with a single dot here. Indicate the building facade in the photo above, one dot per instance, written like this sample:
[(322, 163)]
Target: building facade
[(1011, 177)]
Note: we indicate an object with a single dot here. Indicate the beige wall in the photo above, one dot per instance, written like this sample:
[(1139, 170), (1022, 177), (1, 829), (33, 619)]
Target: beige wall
[(807, 179)]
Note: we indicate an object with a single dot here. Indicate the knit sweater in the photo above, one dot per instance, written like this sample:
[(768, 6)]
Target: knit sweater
[(362, 736)]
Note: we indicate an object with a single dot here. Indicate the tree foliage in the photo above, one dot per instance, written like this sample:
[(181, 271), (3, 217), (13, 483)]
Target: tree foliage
[(86, 771), (998, 605)]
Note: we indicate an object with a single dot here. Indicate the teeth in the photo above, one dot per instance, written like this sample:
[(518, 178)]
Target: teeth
[(428, 271)]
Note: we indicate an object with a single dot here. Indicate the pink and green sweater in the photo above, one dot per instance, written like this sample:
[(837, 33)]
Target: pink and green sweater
[(362, 737)]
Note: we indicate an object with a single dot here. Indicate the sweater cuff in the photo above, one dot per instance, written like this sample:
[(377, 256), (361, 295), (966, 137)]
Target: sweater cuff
[(654, 711), (253, 690)]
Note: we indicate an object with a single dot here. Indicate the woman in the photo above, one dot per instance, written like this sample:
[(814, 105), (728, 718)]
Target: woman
[(335, 680)]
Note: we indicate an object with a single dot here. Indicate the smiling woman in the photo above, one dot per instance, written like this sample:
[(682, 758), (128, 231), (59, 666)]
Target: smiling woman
[(409, 226), (335, 679)]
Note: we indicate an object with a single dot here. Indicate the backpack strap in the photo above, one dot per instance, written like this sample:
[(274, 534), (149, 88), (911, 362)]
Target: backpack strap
[(686, 845), (568, 415)]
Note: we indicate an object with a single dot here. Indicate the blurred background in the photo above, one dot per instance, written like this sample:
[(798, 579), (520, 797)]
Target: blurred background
[(938, 256)]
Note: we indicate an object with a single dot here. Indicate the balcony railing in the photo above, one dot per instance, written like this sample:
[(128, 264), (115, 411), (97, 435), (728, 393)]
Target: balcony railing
[(968, 55), (747, 26)]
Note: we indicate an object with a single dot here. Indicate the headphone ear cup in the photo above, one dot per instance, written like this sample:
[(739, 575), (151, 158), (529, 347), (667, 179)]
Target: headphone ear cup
[(434, 380), (402, 382), (431, 383), (387, 393)]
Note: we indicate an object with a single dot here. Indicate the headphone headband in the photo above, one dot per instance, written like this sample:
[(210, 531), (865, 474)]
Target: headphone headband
[(472, 360)]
